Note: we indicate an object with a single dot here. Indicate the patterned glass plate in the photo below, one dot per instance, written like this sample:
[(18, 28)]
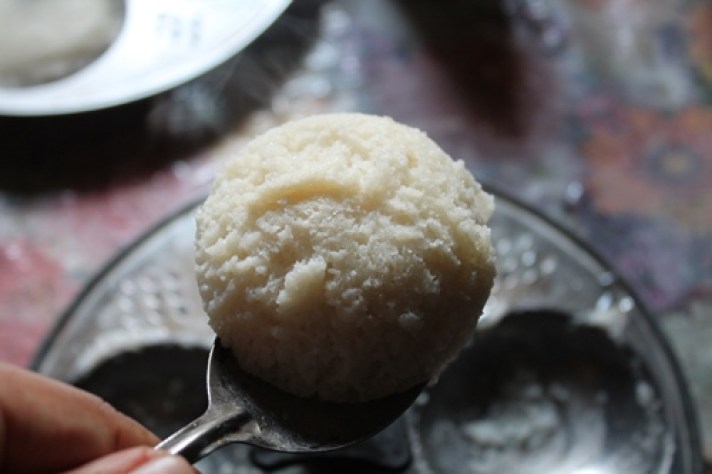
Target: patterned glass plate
[(568, 373)]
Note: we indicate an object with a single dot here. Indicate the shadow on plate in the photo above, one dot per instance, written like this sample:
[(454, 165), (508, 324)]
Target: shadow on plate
[(541, 393), (536, 393)]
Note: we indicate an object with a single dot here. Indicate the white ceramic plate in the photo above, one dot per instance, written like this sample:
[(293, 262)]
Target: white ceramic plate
[(162, 44)]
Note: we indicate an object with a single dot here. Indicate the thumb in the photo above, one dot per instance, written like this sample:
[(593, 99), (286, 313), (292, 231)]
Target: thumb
[(166, 464), (139, 460)]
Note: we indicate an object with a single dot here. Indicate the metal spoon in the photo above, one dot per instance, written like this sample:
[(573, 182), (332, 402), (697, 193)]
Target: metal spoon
[(245, 409)]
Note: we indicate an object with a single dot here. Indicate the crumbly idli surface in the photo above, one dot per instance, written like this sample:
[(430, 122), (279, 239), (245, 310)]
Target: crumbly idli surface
[(344, 256)]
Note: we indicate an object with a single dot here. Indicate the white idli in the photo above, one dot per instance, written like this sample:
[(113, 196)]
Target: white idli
[(344, 256)]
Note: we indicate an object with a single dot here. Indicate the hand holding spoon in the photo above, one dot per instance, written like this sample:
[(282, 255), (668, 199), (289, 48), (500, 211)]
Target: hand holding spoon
[(245, 409)]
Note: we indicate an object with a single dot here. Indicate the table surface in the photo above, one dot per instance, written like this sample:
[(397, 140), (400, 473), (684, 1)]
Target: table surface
[(596, 112)]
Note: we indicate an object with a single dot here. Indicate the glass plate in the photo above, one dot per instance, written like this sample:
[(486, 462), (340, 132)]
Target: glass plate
[(568, 373)]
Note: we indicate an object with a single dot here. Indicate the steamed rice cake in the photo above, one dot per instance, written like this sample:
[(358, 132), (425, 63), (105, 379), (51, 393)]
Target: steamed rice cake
[(45, 40), (344, 256)]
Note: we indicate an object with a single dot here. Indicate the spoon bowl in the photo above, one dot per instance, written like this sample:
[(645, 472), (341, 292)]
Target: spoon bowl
[(244, 409)]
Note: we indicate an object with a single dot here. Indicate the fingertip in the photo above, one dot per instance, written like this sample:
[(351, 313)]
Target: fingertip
[(126, 432), (120, 462), (166, 464)]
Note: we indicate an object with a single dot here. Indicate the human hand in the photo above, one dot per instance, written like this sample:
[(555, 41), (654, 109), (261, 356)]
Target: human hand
[(48, 426)]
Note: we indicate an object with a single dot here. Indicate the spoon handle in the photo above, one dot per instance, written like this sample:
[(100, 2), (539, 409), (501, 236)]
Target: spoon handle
[(212, 430)]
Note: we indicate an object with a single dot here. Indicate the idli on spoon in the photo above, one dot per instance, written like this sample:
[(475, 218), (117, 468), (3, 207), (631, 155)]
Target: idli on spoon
[(344, 257), (343, 260)]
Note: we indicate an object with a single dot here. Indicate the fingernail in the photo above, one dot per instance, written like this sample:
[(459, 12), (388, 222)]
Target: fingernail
[(165, 465)]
